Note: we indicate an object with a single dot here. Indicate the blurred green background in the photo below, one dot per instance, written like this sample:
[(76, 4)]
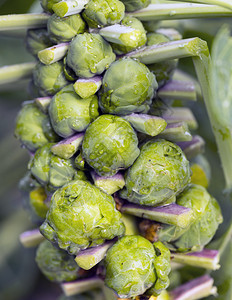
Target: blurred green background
[(19, 276)]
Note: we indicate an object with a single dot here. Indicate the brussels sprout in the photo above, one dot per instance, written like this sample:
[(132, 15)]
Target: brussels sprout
[(125, 37), (128, 86), (36, 40), (81, 216), (205, 220), (51, 170), (103, 12), (38, 197), (49, 78), (56, 264), (70, 113), (164, 70), (89, 54), (64, 29), (33, 128), (48, 4), (110, 144), (133, 5), (160, 173), (133, 266)]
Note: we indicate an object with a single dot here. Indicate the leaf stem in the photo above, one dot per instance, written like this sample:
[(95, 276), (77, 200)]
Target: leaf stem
[(223, 3), (14, 73), (23, 21), (31, 238), (180, 11)]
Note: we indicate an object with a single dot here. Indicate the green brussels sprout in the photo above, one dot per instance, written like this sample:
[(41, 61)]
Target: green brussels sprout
[(33, 128), (47, 4), (128, 86), (205, 221), (133, 5), (103, 12), (70, 113), (56, 264), (110, 144), (133, 266), (51, 170), (123, 40), (160, 173), (89, 54), (38, 197), (163, 70), (81, 216), (64, 29), (49, 78), (37, 40)]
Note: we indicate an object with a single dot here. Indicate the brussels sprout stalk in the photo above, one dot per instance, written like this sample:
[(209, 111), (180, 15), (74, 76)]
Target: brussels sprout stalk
[(180, 11), (109, 185), (117, 33), (147, 124), (180, 90), (172, 214), (43, 103), (195, 289), (86, 87), (87, 259), (176, 132), (180, 114), (69, 146), (80, 286), (53, 54), (70, 7), (208, 259), (193, 147), (223, 3), (14, 73), (23, 21), (31, 238)]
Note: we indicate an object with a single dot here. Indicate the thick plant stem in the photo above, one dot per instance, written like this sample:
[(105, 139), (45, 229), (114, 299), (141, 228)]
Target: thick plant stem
[(23, 21), (198, 50), (208, 259), (14, 73), (81, 286), (180, 11), (223, 3)]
